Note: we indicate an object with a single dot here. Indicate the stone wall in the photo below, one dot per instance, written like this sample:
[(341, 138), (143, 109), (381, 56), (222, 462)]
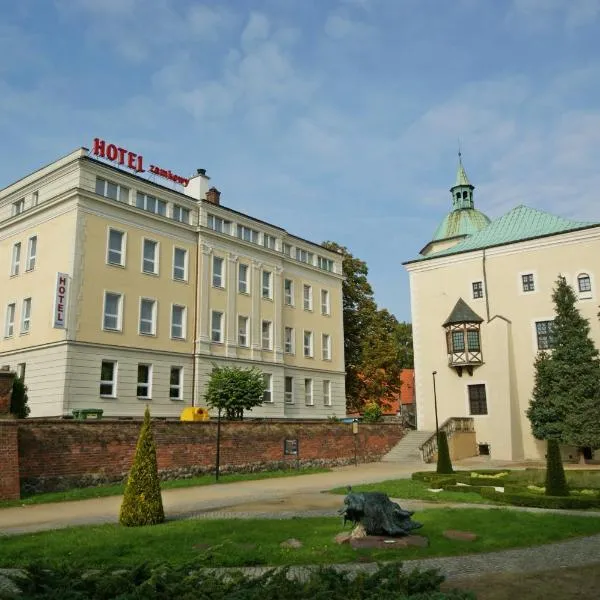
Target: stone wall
[(55, 455)]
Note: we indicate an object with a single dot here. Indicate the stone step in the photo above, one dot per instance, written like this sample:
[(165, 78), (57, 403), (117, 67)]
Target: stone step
[(408, 448)]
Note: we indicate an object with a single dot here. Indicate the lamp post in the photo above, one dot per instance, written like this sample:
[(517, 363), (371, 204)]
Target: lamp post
[(437, 428)]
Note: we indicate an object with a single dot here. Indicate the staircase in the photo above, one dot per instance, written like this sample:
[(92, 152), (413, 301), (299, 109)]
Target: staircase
[(408, 449)]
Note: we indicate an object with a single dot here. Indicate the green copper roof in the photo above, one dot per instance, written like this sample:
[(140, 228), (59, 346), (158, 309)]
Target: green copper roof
[(462, 313), (461, 174), (520, 223), (464, 221)]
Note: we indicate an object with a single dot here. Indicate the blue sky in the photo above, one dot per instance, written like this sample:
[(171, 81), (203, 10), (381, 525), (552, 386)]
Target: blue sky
[(336, 119)]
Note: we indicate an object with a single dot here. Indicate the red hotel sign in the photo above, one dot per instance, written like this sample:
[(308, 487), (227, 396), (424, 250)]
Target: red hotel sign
[(132, 160)]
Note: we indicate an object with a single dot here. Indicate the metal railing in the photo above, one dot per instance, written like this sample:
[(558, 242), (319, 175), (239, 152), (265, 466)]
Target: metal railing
[(451, 426)]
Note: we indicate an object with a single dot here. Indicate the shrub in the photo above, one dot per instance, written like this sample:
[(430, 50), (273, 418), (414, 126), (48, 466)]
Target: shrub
[(556, 482), (372, 413), (472, 488), (522, 498), (142, 500), (18, 401), (444, 464)]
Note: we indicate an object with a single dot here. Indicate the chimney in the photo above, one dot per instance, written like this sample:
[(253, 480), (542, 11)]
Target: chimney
[(197, 188), (213, 196)]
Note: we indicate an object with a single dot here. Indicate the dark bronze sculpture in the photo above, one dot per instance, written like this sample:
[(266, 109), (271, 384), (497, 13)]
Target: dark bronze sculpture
[(377, 514)]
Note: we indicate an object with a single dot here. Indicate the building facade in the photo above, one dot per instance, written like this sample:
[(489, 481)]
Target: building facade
[(121, 292), (482, 309)]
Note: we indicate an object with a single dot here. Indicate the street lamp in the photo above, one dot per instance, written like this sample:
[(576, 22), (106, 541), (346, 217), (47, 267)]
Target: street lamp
[(437, 428)]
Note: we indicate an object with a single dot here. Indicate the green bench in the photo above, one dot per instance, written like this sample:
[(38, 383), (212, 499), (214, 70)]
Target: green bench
[(81, 414)]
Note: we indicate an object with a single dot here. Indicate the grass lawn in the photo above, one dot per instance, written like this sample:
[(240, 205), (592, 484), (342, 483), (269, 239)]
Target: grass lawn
[(409, 489), (241, 542), (117, 489)]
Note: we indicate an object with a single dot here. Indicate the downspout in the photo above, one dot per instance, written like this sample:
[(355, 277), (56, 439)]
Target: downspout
[(196, 298), (485, 289)]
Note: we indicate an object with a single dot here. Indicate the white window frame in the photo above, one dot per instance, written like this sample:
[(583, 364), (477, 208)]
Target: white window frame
[(122, 250), (269, 241), (153, 319), (585, 294), (243, 284), (147, 384), (177, 267), (218, 330), (15, 260), (176, 386), (327, 392), (267, 290), (309, 397), (325, 346), (243, 332), (288, 396), (9, 319), (288, 295), (286, 249), (218, 275), (325, 264), (269, 338), (26, 316), (104, 191), (218, 224), (35, 198), (31, 253), (178, 212), (307, 302), (268, 393), (155, 260), (326, 305), (119, 314), (112, 382), (183, 321), (18, 207), (310, 346), (291, 347), (158, 203), (243, 232)]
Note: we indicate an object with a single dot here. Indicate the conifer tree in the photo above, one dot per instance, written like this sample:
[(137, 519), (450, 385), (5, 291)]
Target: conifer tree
[(556, 482), (444, 463), (142, 501)]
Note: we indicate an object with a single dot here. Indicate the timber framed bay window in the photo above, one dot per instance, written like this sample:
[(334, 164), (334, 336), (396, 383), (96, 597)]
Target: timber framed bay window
[(463, 339)]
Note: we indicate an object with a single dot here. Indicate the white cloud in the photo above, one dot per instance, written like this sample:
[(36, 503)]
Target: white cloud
[(541, 14)]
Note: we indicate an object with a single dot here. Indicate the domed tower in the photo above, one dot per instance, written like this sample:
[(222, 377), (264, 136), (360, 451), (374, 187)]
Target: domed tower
[(463, 220)]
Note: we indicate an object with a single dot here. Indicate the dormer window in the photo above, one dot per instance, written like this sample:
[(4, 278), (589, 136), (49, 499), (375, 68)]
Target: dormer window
[(463, 339)]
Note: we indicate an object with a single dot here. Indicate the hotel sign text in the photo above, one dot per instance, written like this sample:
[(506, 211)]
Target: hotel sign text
[(60, 300)]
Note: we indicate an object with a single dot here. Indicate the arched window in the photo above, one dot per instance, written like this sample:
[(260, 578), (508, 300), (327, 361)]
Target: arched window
[(584, 282), (465, 194)]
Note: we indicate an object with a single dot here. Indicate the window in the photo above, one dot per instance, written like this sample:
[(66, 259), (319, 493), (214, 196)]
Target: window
[(458, 341), (307, 295), (327, 392), (288, 390), (304, 256), (268, 393), (477, 399), (217, 278), (217, 327), (176, 383), (308, 392), (26, 316), (308, 344), (150, 257), (584, 283), (180, 214), (267, 291), (326, 346), (528, 282), (108, 189), (287, 249), (267, 329), (144, 381), (180, 264), (247, 234), (325, 263), (16, 259), (35, 198), (31, 253), (218, 224), (288, 341), (473, 342), (243, 278), (112, 311), (178, 321), (18, 207), (325, 302), (108, 378), (9, 325), (147, 316), (151, 204), (288, 292), (268, 241), (21, 371), (477, 289), (544, 333), (116, 248), (242, 330)]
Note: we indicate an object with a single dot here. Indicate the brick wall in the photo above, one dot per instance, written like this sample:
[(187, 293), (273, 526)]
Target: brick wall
[(57, 455), (9, 461)]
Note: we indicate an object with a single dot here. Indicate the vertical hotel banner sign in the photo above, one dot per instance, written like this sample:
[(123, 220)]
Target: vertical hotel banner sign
[(60, 301)]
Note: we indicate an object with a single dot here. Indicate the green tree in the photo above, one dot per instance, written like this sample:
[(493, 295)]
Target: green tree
[(404, 339), (19, 400), (142, 500), (556, 482), (234, 389), (444, 463)]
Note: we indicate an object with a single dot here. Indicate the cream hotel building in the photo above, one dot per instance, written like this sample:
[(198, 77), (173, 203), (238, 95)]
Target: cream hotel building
[(481, 302), (121, 291)]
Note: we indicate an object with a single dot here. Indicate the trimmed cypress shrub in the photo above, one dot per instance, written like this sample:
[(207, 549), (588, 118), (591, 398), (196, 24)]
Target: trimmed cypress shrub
[(444, 464), (18, 401), (142, 500), (556, 482)]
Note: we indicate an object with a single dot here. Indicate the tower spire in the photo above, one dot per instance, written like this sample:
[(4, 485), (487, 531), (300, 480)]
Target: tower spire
[(462, 191)]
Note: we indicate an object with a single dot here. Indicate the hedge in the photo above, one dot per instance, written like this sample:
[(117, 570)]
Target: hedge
[(521, 498)]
